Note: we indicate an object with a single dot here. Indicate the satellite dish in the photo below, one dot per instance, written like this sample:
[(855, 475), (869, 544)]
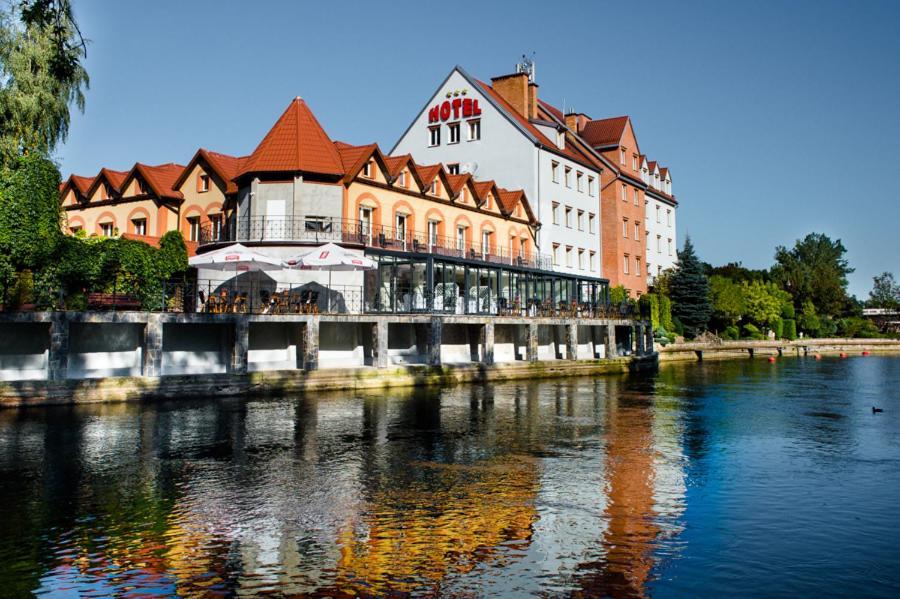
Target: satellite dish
[(469, 167)]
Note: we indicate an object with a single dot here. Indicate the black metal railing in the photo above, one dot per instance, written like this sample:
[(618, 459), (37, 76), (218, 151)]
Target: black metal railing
[(316, 230)]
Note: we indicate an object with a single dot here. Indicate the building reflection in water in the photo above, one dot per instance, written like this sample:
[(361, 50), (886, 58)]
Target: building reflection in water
[(544, 487)]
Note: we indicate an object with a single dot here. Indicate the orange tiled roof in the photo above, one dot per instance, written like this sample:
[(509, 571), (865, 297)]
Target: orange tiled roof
[(161, 178), (396, 163), (429, 172), (354, 157), (82, 184), (482, 188), (296, 143), (604, 132), (553, 110), (227, 167), (663, 171), (457, 182)]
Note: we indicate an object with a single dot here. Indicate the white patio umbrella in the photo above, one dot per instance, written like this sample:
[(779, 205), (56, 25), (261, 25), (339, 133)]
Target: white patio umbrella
[(330, 257), (236, 257)]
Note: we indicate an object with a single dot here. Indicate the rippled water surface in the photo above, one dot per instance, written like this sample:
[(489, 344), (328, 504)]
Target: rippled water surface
[(719, 479)]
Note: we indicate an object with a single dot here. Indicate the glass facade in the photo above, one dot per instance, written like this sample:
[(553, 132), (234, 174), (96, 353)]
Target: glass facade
[(424, 283)]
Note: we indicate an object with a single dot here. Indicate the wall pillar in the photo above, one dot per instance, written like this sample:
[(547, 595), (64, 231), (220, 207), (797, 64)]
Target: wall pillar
[(380, 343), (58, 362), (311, 344), (572, 341), (151, 350), (639, 338), (487, 343), (610, 341), (649, 343), (435, 337), (241, 345), (531, 347)]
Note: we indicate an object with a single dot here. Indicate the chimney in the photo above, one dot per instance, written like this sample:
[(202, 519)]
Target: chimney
[(576, 121), (514, 89), (532, 100)]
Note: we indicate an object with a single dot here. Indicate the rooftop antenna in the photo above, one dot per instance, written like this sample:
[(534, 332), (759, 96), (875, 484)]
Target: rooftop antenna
[(527, 66)]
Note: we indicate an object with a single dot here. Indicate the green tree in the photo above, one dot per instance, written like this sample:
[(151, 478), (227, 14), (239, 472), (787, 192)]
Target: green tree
[(727, 301), (814, 269), (40, 75), (885, 292), (763, 302), (689, 291)]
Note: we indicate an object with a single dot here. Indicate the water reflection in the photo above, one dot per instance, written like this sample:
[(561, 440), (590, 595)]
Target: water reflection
[(578, 487)]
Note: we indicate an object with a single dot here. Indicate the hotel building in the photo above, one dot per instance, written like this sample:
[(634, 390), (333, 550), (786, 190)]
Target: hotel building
[(584, 176)]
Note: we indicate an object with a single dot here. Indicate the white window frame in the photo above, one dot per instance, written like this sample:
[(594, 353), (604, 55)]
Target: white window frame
[(580, 219), (555, 254), (626, 263), (592, 258), (139, 230), (591, 219), (432, 234), (580, 258), (567, 175), (474, 129), (193, 228), (568, 217), (453, 133), (568, 256), (555, 212), (434, 136), (625, 228), (579, 181), (460, 237), (590, 186), (107, 229)]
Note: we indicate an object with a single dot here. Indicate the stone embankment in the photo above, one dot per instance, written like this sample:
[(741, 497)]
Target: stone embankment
[(799, 347)]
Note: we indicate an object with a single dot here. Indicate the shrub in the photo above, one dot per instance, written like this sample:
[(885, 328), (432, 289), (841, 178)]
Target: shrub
[(649, 303), (665, 313), (751, 332), (618, 294), (790, 329), (731, 332), (827, 327), (856, 326)]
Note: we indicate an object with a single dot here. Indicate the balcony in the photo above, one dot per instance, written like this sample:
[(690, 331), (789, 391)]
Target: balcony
[(318, 230)]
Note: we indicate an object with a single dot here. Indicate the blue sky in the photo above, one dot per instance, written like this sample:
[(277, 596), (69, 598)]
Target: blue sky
[(777, 119)]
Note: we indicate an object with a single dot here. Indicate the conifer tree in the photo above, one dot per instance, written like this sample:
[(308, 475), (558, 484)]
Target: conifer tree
[(689, 291)]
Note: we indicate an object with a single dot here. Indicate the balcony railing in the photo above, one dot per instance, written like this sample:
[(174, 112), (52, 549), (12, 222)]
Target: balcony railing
[(316, 230)]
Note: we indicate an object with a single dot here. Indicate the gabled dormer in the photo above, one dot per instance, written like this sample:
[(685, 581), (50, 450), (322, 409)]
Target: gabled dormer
[(514, 204), (434, 178), (666, 179), (74, 190), (107, 185), (487, 195), (209, 171)]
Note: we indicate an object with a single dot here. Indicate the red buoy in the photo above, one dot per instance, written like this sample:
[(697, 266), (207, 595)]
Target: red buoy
[(772, 359), (843, 354), (865, 353), (818, 356)]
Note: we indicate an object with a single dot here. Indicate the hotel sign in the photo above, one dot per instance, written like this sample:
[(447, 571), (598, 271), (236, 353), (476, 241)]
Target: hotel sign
[(457, 107)]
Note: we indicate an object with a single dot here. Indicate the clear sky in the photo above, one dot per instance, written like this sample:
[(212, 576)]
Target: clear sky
[(776, 118)]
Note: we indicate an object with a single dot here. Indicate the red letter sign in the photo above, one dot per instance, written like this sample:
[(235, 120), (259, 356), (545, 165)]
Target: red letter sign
[(433, 114), (445, 111)]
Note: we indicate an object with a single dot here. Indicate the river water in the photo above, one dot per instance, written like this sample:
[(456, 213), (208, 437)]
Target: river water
[(738, 478)]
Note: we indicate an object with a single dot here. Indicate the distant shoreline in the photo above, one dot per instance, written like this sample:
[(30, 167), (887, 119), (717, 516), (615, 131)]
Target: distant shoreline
[(733, 350)]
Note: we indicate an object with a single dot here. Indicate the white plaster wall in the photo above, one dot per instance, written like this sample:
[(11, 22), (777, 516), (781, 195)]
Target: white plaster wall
[(403, 347), (24, 351), (98, 350), (551, 192), (195, 349), (273, 346), (340, 345), (665, 230), (509, 343)]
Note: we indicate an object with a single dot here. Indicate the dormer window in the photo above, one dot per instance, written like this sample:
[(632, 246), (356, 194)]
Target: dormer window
[(453, 169), (203, 183), (433, 190), (367, 170), (401, 179), (634, 162), (560, 140)]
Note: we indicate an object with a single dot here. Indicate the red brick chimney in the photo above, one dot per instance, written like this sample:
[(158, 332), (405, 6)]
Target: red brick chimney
[(515, 90), (532, 100), (576, 121)]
